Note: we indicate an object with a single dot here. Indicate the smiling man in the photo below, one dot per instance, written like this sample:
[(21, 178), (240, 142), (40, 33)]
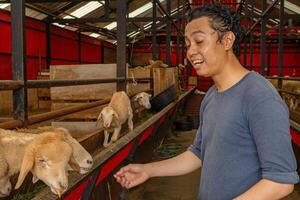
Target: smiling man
[(243, 144)]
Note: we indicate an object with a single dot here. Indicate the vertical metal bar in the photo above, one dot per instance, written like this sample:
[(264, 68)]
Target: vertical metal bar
[(121, 47), (159, 51), (20, 102), (245, 54), (280, 48), (48, 45), (129, 53), (79, 48), (251, 41), (269, 58), (246, 41), (183, 23), (281, 29), (168, 42), (106, 9), (102, 51), (177, 35), (263, 39), (154, 43)]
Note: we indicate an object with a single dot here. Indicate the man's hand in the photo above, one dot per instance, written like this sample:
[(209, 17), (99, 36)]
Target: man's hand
[(132, 175)]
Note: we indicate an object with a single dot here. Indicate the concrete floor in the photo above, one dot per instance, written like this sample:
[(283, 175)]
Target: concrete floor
[(182, 187)]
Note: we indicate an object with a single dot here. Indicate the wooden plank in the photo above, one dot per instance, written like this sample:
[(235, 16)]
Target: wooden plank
[(77, 129), (83, 92), (44, 104), (90, 114), (43, 92), (141, 59), (138, 72), (163, 78), (6, 102), (102, 156)]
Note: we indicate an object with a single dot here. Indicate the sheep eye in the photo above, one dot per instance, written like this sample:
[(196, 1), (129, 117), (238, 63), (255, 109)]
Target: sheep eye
[(42, 161)]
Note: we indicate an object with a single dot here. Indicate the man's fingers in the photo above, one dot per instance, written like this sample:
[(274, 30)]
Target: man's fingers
[(124, 170)]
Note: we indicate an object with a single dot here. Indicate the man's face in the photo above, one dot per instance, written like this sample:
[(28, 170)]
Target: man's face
[(204, 51)]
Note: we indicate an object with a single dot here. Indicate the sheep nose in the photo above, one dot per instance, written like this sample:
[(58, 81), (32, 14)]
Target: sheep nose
[(89, 162), (8, 189), (63, 187)]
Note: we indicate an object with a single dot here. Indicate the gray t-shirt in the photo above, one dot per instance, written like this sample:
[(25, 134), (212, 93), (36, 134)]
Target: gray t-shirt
[(243, 137)]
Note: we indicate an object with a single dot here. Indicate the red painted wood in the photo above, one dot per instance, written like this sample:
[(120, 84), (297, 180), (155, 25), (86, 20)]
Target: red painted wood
[(64, 47), (295, 137)]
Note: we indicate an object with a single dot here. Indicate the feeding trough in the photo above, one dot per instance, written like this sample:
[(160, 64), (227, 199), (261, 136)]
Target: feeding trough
[(164, 98)]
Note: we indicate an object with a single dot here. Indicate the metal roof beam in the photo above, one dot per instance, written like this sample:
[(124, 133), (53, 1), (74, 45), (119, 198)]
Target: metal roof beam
[(101, 19), (263, 16), (49, 1)]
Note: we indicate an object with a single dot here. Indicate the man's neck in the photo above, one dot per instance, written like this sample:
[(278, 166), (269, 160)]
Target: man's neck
[(231, 74)]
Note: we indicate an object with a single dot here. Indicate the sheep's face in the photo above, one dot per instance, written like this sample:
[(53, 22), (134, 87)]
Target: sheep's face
[(81, 156), (143, 99), (106, 116), (50, 165), (5, 186)]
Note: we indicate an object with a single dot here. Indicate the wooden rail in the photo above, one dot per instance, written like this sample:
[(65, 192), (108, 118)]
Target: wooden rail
[(108, 159)]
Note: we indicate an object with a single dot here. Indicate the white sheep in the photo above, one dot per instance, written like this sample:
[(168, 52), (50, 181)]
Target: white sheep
[(114, 115), (143, 99), (5, 185), (81, 156), (47, 156), (46, 165)]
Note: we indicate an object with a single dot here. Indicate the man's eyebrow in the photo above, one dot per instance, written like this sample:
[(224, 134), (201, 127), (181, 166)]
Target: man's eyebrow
[(196, 32)]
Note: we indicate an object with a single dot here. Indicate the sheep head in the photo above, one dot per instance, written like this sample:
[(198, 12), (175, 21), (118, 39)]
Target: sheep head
[(5, 185), (108, 117), (81, 156), (47, 157), (143, 99)]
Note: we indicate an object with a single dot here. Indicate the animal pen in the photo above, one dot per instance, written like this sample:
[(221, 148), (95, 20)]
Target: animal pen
[(59, 69)]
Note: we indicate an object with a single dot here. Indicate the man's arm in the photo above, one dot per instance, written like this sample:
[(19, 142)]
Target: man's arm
[(266, 190), (179, 165)]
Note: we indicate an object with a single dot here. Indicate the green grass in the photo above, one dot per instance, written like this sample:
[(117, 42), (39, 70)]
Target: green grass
[(29, 195)]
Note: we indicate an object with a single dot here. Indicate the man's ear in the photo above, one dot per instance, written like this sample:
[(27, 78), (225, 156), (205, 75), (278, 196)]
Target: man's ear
[(228, 40)]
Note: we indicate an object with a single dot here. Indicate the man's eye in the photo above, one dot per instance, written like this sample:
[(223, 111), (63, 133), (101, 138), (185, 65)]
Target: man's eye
[(199, 42)]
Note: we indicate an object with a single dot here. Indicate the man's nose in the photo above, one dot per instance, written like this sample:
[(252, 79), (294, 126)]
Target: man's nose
[(192, 50)]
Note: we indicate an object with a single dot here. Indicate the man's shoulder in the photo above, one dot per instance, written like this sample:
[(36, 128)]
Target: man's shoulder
[(260, 90), (258, 87)]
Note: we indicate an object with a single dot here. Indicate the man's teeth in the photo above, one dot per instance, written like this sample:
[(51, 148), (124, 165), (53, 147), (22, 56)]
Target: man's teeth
[(195, 62)]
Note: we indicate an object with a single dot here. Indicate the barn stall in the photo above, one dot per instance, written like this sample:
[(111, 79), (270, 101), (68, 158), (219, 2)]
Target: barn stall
[(45, 79)]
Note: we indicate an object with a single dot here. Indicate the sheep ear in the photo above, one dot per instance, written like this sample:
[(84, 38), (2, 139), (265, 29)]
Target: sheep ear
[(27, 164), (35, 179), (116, 118), (136, 98), (99, 119)]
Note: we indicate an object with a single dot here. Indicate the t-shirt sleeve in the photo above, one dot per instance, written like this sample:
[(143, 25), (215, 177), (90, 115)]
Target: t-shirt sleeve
[(269, 126), (195, 148)]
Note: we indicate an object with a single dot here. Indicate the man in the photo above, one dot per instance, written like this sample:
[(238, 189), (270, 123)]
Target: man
[(243, 144)]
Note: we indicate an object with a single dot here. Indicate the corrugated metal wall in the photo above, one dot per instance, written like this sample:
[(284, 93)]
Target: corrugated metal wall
[(64, 47)]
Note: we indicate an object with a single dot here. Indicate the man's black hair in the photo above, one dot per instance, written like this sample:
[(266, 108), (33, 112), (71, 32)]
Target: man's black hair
[(221, 20)]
